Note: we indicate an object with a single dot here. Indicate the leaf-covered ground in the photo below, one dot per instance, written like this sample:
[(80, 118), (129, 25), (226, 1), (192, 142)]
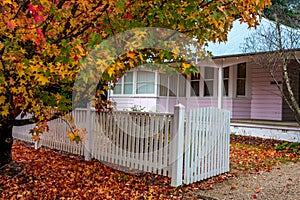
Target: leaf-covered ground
[(46, 174)]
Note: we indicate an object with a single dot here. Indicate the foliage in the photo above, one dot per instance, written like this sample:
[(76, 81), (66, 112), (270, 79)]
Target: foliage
[(137, 108), (295, 146), (44, 42)]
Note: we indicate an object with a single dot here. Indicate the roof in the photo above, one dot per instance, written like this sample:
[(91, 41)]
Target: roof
[(236, 40)]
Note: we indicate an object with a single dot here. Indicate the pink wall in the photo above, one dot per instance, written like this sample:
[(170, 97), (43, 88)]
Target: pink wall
[(266, 101), (191, 103), (241, 108)]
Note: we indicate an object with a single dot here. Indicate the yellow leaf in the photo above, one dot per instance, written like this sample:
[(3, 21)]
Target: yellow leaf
[(131, 55), (185, 66), (110, 71), (4, 111), (141, 56), (131, 64), (43, 80), (71, 136), (105, 87), (2, 99), (6, 2)]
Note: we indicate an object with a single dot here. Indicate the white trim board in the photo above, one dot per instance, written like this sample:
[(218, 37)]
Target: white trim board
[(291, 134)]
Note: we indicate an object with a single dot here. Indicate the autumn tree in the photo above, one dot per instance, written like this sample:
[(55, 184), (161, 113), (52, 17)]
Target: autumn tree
[(42, 43), (280, 42)]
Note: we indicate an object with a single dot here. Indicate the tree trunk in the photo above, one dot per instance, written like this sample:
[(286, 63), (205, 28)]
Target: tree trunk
[(6, 141)]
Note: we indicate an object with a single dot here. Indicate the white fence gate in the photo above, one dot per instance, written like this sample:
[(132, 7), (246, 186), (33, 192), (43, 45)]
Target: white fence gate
[(207, 144), (187, 147)]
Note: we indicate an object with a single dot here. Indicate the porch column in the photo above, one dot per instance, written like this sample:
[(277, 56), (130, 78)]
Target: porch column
[(220, 87)]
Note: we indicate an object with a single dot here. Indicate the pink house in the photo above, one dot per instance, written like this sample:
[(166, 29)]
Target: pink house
[(231, 80)]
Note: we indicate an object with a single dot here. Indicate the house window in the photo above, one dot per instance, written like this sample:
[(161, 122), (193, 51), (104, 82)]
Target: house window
[(145, 82), (118, 87), (241, 80), (137, 82), (195, 84), (128, 83), (172, 85), (209, 81), (163, 85), (169, 85), (226, 80)]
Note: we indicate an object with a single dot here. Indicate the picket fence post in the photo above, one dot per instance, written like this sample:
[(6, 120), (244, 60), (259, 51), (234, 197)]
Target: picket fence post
[(37, 144), (89, 129), (177, 145)]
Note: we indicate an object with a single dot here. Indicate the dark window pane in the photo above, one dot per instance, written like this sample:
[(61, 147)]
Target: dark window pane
[(162, 90), (195, 76), (241, 85), (171, 93), (241, 73), (209, 88), (195, 88), (163, 85), (225, 88), (209, 73), (226, 72)]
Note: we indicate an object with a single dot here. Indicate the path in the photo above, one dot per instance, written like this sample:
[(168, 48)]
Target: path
[(283, 182)]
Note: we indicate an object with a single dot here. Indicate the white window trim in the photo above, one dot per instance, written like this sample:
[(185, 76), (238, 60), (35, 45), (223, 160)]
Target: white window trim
[(230, 82), (248, 83)]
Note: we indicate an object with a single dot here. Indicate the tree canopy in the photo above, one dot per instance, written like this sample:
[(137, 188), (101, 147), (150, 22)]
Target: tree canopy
[(42, 43)]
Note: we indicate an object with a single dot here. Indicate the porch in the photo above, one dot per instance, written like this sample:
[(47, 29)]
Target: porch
[(279, 130)]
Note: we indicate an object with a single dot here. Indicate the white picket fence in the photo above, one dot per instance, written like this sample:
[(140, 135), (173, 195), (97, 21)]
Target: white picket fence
[(186, 146)]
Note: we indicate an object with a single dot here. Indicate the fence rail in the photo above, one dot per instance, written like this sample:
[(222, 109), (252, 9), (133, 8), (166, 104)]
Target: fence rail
[(187, 147)]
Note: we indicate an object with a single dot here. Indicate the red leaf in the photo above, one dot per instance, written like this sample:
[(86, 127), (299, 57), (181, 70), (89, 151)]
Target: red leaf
[(38, 18), (31, 8), (10, 24), (39, 31), (40, 8)]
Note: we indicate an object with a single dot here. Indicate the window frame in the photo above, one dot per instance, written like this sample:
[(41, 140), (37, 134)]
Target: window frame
[(247, 80), (177, 87), (135, 84), (205, 79)]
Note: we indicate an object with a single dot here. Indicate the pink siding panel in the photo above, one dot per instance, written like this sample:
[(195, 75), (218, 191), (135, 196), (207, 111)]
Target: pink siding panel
[(165, 104), (200, 102), (122, 103), (241, 108), (266, 103), (191, 103)]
